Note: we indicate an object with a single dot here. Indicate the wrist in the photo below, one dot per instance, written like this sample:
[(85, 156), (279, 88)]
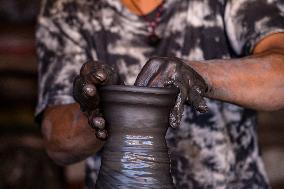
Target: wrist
[(201, 68)]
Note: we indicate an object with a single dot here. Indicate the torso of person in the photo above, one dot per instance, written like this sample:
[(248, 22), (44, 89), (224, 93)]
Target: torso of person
[(214, 150)]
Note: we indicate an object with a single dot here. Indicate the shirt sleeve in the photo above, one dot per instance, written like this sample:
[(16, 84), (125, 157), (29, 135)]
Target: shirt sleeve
[(249, 21), (61, 51)]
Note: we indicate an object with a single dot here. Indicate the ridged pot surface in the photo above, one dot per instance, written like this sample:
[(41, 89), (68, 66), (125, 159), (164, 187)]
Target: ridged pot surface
[(135, 154)]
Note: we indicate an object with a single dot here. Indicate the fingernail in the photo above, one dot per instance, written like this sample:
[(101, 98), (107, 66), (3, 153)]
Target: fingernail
[(99, 122), (101, 134), (100, 75), (89, 90), (203, 108)]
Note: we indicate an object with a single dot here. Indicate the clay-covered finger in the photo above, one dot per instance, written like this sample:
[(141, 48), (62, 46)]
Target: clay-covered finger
[(89, 90), (101, 75), (176, 113), (80, 96), (98, 73), (148, 72), (88, 67), (94, 71), (177, 110), (196, 99), (101, 134), (98, 123), (202, 106)]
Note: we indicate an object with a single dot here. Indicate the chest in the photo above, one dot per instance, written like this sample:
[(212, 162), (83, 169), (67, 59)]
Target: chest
[(192, 30)]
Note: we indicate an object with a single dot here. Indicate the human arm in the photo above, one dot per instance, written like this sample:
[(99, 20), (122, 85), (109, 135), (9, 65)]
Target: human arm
[(62, 49), (254, 82), (246, 29)]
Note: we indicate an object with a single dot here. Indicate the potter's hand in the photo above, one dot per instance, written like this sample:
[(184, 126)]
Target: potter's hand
[(92, 76), (165, 72)]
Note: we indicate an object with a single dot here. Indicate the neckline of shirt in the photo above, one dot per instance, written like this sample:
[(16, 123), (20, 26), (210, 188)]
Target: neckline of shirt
[(125, 12)]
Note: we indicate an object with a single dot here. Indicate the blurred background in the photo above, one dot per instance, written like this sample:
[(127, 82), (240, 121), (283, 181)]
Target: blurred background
[(23, 161)]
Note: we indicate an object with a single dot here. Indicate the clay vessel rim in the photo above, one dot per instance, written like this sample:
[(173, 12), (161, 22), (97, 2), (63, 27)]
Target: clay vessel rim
[(136, 89)]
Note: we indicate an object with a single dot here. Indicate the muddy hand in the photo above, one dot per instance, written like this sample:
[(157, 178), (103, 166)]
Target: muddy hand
[(166, 72), (93, 75)]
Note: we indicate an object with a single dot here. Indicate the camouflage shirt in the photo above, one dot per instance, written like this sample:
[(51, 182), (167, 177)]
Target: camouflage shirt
[(218, 149)]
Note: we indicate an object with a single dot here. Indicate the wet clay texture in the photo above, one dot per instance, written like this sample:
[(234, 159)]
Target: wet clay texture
[(135, 154)]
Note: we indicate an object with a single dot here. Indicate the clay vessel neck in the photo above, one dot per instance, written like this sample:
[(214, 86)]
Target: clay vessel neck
[(135, 155)]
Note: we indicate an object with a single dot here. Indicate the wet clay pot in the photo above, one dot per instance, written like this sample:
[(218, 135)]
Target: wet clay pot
[(135, 154)]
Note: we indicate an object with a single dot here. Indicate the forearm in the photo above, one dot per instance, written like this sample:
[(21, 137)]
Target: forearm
[(67, 135), (255, 82)]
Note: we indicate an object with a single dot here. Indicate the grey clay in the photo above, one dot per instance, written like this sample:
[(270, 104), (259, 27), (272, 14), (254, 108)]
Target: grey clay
[(135, 154)]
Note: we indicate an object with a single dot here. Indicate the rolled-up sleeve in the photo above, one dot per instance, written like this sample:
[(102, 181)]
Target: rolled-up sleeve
[(249, 21), (61, 51)]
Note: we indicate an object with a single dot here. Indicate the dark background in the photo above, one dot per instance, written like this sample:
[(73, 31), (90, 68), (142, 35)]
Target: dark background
[(23, 161)]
